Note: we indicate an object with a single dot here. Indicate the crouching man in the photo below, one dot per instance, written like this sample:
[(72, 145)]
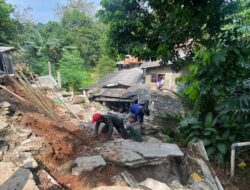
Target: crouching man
[(138, 111), (110, 121)]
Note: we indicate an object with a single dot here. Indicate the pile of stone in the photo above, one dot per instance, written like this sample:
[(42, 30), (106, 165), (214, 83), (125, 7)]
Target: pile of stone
[(17, 152)]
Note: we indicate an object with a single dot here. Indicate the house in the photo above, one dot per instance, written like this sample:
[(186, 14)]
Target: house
[(6, 62), (119, 89), (128, 63), (155, 70)]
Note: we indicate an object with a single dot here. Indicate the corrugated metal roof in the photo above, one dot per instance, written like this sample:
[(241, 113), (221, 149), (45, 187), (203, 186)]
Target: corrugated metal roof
[(150, 64), (107, 92), (127, 77), (5, 48)]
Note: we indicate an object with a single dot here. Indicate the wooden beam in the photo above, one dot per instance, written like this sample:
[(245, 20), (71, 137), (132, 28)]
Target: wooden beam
[(12, 93)]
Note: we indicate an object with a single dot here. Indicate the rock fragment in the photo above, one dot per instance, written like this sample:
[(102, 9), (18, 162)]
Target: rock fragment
[(87, 163), (133, 154)]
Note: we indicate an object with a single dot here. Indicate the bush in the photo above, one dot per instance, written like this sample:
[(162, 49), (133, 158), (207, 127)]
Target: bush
[(74, 72)]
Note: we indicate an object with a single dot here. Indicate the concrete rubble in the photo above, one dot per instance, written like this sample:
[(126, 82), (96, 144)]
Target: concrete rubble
[(16, 155), (87, 163), (133, 154), (15, 177), (129, 165)]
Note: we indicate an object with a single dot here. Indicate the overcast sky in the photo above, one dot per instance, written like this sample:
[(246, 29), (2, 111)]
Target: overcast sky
[(42, 10)]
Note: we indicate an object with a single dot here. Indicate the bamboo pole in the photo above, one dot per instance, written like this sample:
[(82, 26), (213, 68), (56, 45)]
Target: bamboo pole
[(38, 84), (14, 94), (30, 92), (33, 91)]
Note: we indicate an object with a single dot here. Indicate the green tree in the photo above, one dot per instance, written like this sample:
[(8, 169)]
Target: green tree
[(84, 32), (73, 70), (215, 37), (105, 66), (157, 29), (7, 25)]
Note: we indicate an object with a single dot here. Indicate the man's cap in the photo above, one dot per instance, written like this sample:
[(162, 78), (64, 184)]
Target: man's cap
[(96, 117)]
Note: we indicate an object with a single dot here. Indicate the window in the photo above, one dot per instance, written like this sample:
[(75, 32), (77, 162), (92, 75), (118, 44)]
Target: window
[(153, 78), (161, 76)]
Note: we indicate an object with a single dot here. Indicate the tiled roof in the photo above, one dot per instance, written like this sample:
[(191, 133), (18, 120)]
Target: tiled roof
[(129, 60)]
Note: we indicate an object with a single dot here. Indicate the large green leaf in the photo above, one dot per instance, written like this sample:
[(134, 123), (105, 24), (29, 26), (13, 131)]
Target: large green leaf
[(212, 130)]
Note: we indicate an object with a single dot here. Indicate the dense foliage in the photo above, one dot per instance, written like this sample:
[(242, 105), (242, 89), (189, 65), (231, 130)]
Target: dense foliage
[(75, 73), (7, 24), (214, 35), (77, 33)]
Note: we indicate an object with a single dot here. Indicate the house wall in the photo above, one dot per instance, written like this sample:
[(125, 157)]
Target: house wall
[(6, 63), (170, 76)]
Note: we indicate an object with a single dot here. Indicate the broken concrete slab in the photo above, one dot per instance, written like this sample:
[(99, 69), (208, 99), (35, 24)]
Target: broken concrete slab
[(31, 145), (133, 154), (153, 184), (87, 163), (24, 155), (15, 177), (29, 163)]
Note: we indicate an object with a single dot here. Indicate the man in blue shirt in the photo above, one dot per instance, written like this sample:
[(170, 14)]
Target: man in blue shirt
[(138, 111)]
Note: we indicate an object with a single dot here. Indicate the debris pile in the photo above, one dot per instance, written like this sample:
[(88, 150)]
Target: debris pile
[(42, 146)]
